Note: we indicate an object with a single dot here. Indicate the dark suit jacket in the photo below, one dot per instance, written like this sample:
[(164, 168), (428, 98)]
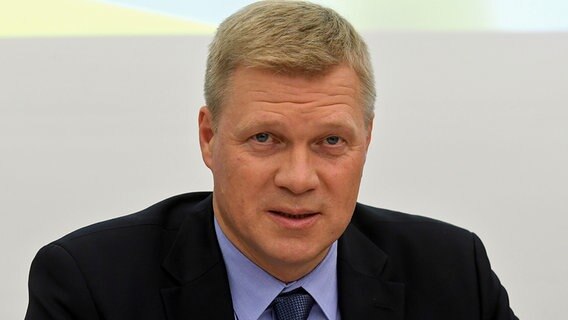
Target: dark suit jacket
[(165, 263)]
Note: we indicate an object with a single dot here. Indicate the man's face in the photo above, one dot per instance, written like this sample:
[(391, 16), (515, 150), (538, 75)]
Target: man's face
[(287, 160)]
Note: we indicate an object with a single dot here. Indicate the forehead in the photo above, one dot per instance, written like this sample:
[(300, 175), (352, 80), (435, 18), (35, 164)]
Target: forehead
[(264, 98), (338, 74), (338, 86)]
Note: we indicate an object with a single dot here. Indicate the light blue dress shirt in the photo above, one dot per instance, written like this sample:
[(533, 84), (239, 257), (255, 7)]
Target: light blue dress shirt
[(253, 289)]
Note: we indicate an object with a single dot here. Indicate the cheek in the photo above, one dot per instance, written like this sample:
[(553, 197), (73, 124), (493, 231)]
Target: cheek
[(343, 175), (243, 178), (226, 162)]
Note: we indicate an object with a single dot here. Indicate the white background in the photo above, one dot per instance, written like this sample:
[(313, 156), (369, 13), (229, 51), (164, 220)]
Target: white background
[(471, 128)]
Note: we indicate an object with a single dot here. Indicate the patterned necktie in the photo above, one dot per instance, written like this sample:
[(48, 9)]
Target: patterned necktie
[(293, 305)]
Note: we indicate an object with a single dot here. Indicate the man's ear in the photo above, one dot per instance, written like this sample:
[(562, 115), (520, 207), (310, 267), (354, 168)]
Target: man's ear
[(206, 135)]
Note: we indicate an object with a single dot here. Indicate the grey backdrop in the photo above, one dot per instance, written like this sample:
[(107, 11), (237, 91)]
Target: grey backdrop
[(471, 128)]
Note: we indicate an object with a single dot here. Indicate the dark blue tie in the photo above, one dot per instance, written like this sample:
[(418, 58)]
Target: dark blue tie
[(293, 305)]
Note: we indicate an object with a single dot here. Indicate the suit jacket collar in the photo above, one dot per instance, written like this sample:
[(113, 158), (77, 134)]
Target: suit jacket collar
[(365, 290), (196, 264)]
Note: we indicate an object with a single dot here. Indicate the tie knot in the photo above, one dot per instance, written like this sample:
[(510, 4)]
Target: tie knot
[(293, 305)]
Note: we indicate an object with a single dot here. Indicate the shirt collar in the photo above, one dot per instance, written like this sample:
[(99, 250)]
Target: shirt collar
[(253, 289)]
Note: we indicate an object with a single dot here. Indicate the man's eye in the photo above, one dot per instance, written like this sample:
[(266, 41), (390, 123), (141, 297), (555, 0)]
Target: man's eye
[(332, 140), (261, 137)]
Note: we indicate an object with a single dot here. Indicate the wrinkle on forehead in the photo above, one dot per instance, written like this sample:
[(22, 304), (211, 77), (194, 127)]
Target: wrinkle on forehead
[(302, 102), (295, 93)]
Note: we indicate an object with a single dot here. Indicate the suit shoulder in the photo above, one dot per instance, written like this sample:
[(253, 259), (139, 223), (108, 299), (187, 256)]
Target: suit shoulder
[(162, 216), (380, 215), (373, 220)]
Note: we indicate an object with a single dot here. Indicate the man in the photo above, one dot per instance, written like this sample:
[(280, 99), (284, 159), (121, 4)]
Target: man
[(290, 95)]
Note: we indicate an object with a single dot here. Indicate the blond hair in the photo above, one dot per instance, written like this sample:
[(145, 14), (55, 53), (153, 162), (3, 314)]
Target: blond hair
[(290, 37)]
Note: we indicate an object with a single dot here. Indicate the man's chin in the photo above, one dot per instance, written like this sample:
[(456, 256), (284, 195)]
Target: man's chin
[(299, 259)]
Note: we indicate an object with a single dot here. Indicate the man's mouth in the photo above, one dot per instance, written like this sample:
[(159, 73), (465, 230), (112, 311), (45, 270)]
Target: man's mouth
[(298, 216)]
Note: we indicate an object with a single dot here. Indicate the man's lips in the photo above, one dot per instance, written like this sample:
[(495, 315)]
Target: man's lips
[(293, 215), (294, 219)]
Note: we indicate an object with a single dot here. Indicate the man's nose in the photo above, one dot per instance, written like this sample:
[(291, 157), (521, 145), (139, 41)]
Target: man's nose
[(297, 172)]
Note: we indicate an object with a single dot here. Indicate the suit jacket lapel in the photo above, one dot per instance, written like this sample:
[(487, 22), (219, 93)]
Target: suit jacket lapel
[(196, 263), (365, 291)]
